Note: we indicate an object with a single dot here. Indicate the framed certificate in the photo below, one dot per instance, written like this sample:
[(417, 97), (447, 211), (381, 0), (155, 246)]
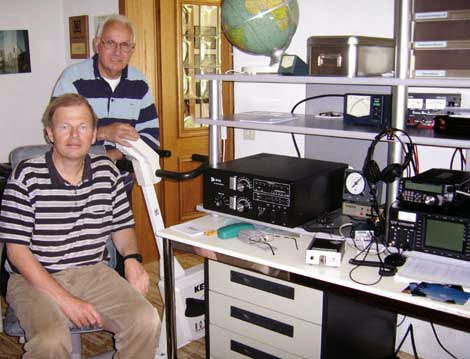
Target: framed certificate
[(78, 30)]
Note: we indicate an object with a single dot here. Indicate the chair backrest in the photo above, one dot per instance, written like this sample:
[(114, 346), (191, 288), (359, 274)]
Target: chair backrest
[(25, 152)]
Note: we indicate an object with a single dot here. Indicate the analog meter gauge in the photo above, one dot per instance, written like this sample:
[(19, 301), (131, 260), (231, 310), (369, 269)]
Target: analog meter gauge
[(371, 110), (358, 105), (357, 190), (355, 183)]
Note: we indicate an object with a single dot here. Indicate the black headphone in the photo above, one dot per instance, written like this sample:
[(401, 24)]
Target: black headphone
[(371, 170)]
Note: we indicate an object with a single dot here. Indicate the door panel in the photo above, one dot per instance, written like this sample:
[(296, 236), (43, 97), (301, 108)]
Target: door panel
[(191, 43), (145, 58), (162, 32)]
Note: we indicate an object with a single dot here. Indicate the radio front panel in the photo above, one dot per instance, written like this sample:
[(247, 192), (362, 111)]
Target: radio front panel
[(281, 190), (443, 234)]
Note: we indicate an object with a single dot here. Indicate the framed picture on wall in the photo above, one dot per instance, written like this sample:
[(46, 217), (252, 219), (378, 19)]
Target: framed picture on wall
[(78, 30), (14, 52)]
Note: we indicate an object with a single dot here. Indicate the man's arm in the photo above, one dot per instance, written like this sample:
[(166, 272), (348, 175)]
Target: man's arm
[(126, 243), (81, 313), (117, 132)]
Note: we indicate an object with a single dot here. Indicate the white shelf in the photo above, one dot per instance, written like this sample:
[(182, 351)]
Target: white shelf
[(428, 137), (311, 125), (303, 124), (325, 80)]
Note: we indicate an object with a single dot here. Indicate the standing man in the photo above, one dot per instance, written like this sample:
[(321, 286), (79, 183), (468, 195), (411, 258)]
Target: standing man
[(118, 93), (58, 211)]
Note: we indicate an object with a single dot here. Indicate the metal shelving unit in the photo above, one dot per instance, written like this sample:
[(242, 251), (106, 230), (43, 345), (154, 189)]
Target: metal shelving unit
[(325, 80), (309, 125)]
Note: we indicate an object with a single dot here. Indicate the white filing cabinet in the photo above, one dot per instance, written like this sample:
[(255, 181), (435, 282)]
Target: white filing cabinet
[(253, 315)]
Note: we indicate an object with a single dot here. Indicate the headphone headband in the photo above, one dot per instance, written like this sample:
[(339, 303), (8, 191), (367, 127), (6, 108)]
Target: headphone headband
[(392, 171)]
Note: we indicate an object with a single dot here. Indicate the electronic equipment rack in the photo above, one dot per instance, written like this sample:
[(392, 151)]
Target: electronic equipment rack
[(308, 125)]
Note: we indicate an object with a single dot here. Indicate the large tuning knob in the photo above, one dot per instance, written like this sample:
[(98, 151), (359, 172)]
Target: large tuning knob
[(432, 200), (243, 184), (243, 205)]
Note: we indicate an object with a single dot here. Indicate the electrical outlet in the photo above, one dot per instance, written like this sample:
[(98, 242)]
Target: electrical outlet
[(249, 135)]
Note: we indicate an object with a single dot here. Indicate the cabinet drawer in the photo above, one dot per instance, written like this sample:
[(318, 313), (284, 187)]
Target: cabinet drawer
[(267, 326), (439, 5), (275, 294), (441, 30), (440, 63), (225, 344)]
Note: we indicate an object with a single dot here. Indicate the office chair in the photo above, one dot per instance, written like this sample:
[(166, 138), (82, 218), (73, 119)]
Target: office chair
[(11, 324)]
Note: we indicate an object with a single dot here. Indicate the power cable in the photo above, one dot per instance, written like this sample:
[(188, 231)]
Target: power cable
[(300, 102)]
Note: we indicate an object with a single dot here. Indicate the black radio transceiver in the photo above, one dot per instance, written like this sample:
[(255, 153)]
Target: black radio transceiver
[(433, 231), (435, 188), (282, 190)]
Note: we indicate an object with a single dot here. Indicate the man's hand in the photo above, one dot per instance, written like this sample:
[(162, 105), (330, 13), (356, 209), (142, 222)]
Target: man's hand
[(81, 313), (136, 275), (118, 132)]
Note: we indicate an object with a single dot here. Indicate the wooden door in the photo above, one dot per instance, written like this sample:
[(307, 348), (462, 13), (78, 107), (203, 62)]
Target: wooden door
[(191, 42), (145, 58), (161, 56)]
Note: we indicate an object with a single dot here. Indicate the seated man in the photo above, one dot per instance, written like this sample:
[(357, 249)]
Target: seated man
[(58, 211)]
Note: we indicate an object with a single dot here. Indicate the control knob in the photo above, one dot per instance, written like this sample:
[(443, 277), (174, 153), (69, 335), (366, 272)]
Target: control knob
[(243, 184), (432, 200), (220, 201), (243, 205)]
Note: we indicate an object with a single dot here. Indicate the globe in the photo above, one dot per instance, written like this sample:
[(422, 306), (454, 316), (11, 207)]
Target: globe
[(261, 27)]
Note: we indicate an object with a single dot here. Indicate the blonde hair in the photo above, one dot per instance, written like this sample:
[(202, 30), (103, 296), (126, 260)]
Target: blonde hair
[(66, 100)]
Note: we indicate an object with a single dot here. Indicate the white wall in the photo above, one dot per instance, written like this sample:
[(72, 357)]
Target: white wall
[(335, 17), (23, 97)]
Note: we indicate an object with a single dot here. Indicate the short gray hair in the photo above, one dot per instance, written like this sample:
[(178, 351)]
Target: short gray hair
[(117, 18)]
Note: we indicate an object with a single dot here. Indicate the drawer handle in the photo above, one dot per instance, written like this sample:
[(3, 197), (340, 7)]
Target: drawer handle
[(250, 352), (329, 60), (261, 321), (262, 284)]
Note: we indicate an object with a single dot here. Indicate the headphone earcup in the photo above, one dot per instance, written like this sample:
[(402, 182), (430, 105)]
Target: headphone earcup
[(391, 172), (371, 171)]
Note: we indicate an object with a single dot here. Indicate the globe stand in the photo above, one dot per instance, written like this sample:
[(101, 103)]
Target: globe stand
[(271, 69)]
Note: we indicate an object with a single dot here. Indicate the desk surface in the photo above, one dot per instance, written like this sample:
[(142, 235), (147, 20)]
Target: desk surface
[(287, 258)]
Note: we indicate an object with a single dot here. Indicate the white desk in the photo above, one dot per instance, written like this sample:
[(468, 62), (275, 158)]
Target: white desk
[(289, 264)]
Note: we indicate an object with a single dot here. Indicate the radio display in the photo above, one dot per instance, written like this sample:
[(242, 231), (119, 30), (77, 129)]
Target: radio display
[(445, 235), (426, 187)]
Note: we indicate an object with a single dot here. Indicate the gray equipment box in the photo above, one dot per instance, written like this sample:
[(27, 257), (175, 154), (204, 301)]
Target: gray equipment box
[(350, 56)]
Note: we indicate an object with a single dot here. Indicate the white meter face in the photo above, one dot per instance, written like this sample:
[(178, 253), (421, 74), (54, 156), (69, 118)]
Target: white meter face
[(358, 105), (435, 103), (415, 103), (355, 183)]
